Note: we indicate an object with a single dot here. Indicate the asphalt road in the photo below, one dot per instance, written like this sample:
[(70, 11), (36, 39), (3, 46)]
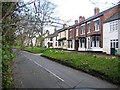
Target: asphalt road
[(33, 71)]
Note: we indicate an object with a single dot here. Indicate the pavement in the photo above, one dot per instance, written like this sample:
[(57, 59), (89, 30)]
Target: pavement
[(33, 71)]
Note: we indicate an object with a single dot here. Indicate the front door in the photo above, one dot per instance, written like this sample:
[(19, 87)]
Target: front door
[(76, 44)]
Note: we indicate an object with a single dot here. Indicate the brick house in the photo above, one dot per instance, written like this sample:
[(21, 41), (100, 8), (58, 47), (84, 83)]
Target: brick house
[(87, 35)]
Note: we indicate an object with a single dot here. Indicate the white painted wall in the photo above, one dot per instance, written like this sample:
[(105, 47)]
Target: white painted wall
[(54, 42), (107, 36)]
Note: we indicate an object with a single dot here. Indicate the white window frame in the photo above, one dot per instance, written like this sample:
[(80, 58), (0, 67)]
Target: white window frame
[(83, 43), (97, 42), (114, 41), (98, 19), (83, 32), (113, 25), (88, 24)]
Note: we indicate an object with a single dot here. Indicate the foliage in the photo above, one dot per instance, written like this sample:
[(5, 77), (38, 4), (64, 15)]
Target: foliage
[(106, 68), (8, 37), (7, 57)]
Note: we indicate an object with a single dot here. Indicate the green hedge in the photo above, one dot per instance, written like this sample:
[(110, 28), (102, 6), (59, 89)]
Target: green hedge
[(106, 68)]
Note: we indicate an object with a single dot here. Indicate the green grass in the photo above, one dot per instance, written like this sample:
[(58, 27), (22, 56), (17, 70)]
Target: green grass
[(35, 49), (107, 68)]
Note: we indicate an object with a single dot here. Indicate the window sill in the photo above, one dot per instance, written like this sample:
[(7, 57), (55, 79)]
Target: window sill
[(96, 31)]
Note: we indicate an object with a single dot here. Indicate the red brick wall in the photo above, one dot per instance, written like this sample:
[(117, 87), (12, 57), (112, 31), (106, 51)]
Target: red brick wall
[(111, 12)]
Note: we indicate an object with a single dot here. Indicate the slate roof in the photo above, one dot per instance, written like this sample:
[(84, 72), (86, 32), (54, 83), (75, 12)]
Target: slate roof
[(87, 20), (55, 33), (92, 17), (116, 16)]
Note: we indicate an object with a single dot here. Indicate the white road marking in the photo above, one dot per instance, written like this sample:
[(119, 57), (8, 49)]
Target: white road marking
[(45, 69), (49, 71)]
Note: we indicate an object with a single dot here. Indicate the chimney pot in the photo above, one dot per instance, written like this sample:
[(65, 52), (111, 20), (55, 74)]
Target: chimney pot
[(81, 18), (96, 10), (76, 21)]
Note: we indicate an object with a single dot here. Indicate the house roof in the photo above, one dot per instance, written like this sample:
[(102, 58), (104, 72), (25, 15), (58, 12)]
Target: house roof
[(92, 17), (55, 33), (116, 16)]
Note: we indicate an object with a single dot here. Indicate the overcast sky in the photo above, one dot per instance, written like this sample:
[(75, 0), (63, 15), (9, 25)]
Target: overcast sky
[(72, 9)]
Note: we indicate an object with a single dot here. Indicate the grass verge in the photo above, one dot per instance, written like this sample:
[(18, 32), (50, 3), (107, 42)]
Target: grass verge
[(105, 68)]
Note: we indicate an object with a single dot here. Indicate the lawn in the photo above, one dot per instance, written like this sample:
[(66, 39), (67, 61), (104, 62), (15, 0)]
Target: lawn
[(35, 49), (105, 68)]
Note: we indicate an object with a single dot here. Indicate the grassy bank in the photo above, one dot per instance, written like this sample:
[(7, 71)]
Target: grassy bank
[(105, 68), (35, 49)]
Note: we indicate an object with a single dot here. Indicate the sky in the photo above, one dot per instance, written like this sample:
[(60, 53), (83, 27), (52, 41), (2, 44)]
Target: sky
[(70, 10)]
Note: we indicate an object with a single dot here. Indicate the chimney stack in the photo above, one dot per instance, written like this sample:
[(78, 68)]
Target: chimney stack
[(81, 18), (76, 21), (96, 10), (64, 25)]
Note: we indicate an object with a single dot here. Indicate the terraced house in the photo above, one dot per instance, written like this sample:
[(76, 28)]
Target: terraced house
[(87, 34)]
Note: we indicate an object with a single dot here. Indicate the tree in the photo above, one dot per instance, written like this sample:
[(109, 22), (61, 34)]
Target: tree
[(38, 15), (8, 20)]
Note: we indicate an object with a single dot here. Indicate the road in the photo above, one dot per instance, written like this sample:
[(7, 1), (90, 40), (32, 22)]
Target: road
[(33, 71)]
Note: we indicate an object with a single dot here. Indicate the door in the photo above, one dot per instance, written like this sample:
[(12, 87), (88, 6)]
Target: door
[(76, 44)]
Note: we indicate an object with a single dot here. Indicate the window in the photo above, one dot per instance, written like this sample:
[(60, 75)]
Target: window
[(96, 41), (114, 25), (114, 43), (70, 34), (88, 27), (82, 42), (76, 31), (83, 30), (96, 23), (69, 44), (50, 39), (59, 43), (56, 44)]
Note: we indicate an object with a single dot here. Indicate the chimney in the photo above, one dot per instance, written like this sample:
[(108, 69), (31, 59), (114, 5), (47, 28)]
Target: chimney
[(64, 25), (96, 10), (76, 21), (81, 18)]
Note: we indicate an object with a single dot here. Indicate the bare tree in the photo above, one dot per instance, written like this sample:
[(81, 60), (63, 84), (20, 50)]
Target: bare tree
[(43, 11), (38, 15)]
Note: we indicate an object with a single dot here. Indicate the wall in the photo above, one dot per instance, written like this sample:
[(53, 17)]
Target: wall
[(107, 36)]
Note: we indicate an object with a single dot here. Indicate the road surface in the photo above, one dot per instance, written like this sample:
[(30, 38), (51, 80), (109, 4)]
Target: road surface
[(33, 71)]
